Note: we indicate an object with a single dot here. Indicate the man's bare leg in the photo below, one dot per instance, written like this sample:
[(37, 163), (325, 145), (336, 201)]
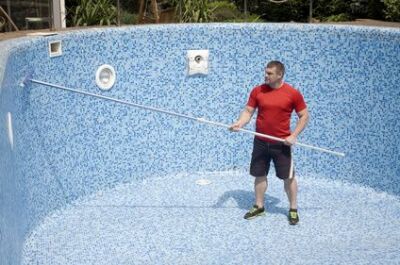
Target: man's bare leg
[(260, 187), (291, 191)]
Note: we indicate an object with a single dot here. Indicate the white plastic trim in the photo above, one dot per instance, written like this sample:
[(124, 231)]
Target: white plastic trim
[(55, 48), (10, 131)]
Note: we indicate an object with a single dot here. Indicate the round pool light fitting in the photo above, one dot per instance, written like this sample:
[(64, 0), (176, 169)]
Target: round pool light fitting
[(105, 77)]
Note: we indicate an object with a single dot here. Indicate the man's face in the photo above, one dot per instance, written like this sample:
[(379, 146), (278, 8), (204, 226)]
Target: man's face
[(272, 76)]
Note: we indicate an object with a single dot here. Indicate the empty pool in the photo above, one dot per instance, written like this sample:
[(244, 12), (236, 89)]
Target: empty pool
[(90, 173)]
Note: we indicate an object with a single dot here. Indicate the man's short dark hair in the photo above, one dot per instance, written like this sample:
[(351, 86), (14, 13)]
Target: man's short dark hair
[(278, 65)]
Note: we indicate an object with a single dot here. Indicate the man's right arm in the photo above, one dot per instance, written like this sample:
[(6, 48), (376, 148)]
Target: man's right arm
[(244, 118)]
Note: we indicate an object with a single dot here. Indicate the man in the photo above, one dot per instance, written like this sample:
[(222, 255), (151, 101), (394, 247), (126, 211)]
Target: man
[(275, 101)]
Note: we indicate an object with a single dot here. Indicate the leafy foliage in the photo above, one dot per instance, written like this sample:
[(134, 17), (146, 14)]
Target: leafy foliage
[(251, 19), (94, 12), (103, 12), (128, 18), (210, 11), (337, 18), (192, 10), (291, 10), (223, 11), (392, 10)]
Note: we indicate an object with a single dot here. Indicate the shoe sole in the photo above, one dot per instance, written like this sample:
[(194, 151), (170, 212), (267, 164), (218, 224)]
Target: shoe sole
[(255, 216), (293, 222)]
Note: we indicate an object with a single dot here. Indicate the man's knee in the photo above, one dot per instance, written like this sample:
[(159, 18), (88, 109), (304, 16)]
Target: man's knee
[(289, 182), (260, 179)]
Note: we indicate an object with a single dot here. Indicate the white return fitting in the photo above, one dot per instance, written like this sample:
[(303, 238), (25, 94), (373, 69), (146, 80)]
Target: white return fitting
[(197, 62)]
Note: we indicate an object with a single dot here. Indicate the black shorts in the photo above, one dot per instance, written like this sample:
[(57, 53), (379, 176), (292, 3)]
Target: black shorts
[(264, 152)]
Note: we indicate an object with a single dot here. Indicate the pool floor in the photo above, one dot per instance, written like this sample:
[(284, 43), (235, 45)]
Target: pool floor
[(172, 220)]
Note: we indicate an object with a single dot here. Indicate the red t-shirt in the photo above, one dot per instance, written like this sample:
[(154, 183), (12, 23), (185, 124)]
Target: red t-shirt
[(275, 107)]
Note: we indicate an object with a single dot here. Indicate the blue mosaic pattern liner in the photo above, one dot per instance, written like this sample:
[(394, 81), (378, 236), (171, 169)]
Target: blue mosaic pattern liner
[(204, 225), (68, 146)]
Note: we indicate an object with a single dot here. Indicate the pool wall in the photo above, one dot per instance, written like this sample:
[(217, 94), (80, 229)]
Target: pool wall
[(67, 145)]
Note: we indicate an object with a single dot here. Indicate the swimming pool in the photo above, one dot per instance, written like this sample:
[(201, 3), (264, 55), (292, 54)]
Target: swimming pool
[(84, 180)]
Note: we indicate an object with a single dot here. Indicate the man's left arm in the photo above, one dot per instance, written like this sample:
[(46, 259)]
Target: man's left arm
[(301, 124)]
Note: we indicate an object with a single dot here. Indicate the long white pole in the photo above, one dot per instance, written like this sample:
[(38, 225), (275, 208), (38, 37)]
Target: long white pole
[(202, 120), (273, 137)]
